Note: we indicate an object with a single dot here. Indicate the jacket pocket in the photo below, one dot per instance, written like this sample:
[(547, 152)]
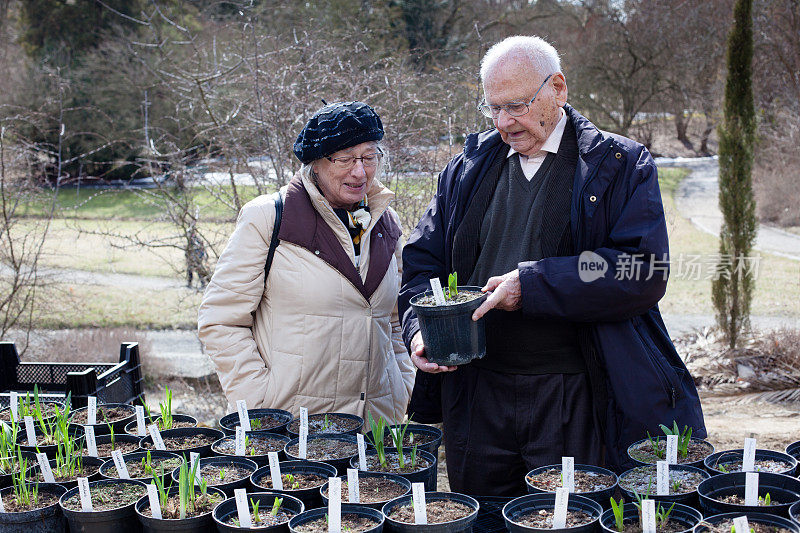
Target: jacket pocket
[(666, 374)]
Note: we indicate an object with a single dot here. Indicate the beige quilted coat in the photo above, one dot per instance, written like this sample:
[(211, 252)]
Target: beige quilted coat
[(324, 334)]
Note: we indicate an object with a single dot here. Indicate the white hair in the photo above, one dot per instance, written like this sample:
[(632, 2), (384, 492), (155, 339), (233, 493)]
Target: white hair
[(534, 50)]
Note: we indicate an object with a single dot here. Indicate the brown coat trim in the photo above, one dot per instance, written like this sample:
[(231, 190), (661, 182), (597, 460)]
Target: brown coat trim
[(304, 226)]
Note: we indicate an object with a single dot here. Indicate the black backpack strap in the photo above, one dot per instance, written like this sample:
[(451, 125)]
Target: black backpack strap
[(273, 243)]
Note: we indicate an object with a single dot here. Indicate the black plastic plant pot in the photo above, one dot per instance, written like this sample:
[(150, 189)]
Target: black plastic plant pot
[(317, 420), (450, 335), (686, 497), (131, 427), (687, 516), (601, 495), (224, 462), (432, 435), (321, 512), (402, 483), (715, 463), (229, 422), (645, 442), (136, 457), (91, 462), (227, 446), (118, 439), (119, 520), (462, 524), (310, 496), (195, 524), (340, 463), (102, 427), (76, 432), (227, 509), (770, 520), (794, 450), (519, 507), (783, 490), (794, 512), (48, 519), (427, 475), (5, 477), (146, 443)]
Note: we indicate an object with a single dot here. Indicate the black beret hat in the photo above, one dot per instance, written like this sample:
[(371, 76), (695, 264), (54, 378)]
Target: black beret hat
[(335, 127)]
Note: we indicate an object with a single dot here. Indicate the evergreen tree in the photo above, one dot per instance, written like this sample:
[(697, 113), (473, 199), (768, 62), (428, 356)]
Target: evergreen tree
[(733, 288)]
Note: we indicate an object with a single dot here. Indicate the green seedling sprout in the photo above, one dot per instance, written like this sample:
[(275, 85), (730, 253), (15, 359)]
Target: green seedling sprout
[(452, 286), (221, 474), (291, 481), (186, 491), (276, 506), (163, 491), (255, 424), (27, 494), (684, 437), (326, 423), (662, 516), (377, 431), (256, 516), (676, 485), (414, 456), (618, 516), (654, 448), (166, 410), (397, 437), (766, 500)]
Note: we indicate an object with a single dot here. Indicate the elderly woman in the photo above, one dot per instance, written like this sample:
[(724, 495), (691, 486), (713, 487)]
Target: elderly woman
[(322, 330)]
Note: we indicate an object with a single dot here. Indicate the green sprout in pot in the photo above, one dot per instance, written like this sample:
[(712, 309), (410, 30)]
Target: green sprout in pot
[(163, 491), (255, 424), (256, 516), (166, 411), (654, 448), (452, 286), (326, 423), (276, 506), (186, 492), (397, 436), (766, 500), (618, 515), (376, 439), (26, 494), (221, 474), (291, 481), (676, 486), (684, 437)]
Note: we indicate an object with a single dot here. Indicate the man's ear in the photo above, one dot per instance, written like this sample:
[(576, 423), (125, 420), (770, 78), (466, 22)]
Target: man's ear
[(560, 87)]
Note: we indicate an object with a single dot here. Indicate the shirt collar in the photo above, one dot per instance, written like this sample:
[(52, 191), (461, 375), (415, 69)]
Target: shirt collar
[(554, 140)]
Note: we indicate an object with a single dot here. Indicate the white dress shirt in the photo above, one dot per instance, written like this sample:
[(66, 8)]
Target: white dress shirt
[(530, 164)]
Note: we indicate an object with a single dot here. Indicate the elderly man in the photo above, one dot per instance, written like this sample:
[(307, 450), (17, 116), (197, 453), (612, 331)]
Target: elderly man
[(545, 210)]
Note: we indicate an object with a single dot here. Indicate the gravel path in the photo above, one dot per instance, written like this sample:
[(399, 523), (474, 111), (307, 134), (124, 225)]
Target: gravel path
[(697, 200)]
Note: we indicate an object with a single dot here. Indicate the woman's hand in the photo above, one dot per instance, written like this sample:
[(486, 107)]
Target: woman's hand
[(419, 359)]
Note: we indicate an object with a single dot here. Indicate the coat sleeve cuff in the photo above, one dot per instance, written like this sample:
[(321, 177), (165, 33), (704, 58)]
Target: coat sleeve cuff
[(528, 273)]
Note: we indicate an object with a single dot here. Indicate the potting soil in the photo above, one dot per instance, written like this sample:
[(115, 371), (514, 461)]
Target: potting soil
[(761, 465), (183, 442), (265, 518), (550, 480), (222, 474), (316, 424), (735, 499), (409, 439), (671, 526), (322, 449), (543, 518), (47, 409), (437, 511), (203, 504), (264, 422), (44, 499), (262, 446), (64, 475), (461, 297), (643, 480), (108, 496), (136, 470), (303, 481), (697, 451), (353, 523), (373, 490), (105, 449), (726, 526), (393, 465), (104, 414)]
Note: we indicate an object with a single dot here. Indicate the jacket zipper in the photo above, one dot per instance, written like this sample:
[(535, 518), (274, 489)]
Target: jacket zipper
[(662, 374)]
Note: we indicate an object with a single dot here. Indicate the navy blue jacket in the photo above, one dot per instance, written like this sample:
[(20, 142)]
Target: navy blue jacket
[(638, 379)]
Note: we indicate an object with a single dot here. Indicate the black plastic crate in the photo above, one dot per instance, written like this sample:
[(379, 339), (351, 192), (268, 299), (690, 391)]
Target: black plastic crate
[(490, 514), (110, 382)]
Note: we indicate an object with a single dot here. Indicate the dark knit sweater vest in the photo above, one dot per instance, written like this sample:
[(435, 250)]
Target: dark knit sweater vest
[(526, 221)]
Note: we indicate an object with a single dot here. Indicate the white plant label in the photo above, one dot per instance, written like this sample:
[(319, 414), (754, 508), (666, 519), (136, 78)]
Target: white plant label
[(672, 449), (362, 451), (648, 516), (91, 442), (14, 406), (352, 486), (438, 293), (749, 455), (194, 459), (86, 496), (141, 429), (119, 464), (240, 448), (29, 431), (560, 511), (91, 411), (751, 489), (44, 466), (275, 471), (662, 478), (740, 525), (242, 509), (418, 496), (158, 442), (303, 417), (568, 473), (302, 444), (334, 505), (2, 507), (155, 505), (244, 417)]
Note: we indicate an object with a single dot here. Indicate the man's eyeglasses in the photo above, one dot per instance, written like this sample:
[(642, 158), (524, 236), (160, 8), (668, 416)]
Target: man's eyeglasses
[(515, 109), (346, 162)]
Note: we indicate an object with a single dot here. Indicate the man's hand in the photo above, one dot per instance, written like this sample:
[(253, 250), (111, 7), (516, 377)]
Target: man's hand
[(506, 294), (419, 359)]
